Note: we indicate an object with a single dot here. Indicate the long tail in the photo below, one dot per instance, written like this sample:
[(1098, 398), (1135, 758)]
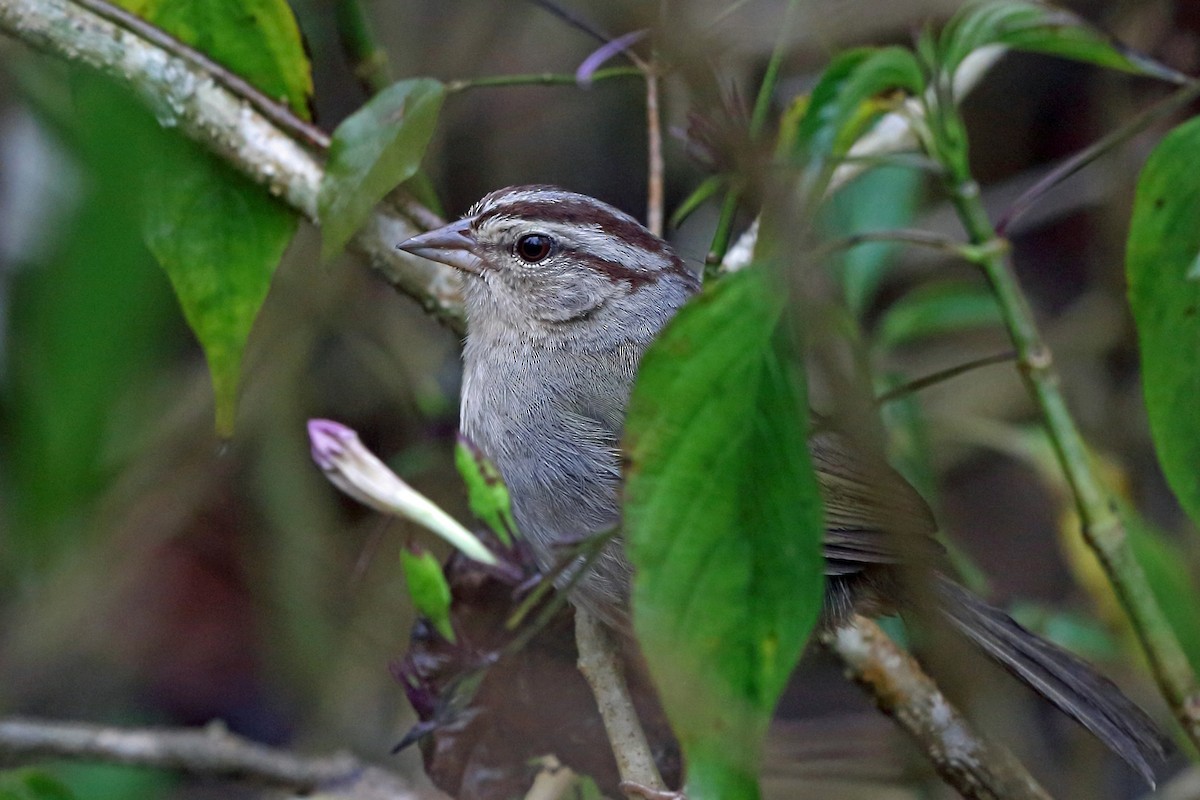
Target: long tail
[(1071, 684)]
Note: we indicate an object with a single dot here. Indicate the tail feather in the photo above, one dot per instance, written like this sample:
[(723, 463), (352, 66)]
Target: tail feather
[(1071, 684)]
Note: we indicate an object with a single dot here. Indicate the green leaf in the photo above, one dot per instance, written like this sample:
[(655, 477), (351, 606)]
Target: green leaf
[(486, 492), (937, 309), (839, 111), (32, 784), (374, 150), (1164, 239), (219, 238), (428, 588), (1038, 28), (258, 40), (216, 234), (880, 199), (723, 523)]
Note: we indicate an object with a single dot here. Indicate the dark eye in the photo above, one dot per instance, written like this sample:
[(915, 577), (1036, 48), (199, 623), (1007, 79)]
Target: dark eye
[(534, 247)]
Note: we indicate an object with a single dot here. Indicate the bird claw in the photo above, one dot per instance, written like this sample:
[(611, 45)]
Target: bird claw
[(632, 789)]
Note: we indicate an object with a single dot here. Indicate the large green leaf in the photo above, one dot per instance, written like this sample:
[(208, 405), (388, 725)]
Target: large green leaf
[(257, 39), (723, 522), (373, 151), (879, 199), (1039, 28), (217, 235), (1164, 290), (218, 238)]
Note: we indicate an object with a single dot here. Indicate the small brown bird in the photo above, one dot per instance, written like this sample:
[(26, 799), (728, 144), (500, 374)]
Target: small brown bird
[(563, 295)]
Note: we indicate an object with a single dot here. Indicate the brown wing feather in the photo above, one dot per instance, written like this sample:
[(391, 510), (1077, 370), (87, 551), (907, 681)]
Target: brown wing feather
[(872, 514)]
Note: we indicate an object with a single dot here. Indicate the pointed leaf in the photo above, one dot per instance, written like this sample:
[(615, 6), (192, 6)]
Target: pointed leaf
[(1164, 240), (839, 110), (1038, 28), (486, 492), (217, 235), (880, 199), (428, 588), (935, 310), (374, 150), (219, 238), (723, 522)]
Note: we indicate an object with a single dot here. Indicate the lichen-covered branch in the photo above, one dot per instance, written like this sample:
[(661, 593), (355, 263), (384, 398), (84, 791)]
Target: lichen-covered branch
[(211, 751), (182, 93), (974, 766)]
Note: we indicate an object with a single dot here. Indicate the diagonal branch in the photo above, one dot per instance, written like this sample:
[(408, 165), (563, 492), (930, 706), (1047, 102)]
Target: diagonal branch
[(210, 751), (181, 91), (974, 766)]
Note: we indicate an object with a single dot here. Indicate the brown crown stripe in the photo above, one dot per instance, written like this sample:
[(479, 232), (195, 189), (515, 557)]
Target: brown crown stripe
[(577, 212)]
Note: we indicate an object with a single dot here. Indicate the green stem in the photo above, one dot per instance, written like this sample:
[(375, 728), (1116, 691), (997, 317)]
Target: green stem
[(540, 79), (758, 120), (720, 244), (1103, 529), (368, 60)]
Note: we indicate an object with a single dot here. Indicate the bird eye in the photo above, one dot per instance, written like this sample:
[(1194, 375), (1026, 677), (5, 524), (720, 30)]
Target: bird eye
[(533, 247)]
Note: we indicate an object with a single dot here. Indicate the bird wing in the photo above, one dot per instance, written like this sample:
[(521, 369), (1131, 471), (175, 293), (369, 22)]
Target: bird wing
[(872, 514)]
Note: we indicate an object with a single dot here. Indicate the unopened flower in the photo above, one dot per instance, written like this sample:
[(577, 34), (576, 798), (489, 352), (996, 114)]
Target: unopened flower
[(354, 469)]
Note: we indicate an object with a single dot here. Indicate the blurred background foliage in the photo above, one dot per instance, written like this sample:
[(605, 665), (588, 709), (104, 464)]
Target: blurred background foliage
[(151, 572)]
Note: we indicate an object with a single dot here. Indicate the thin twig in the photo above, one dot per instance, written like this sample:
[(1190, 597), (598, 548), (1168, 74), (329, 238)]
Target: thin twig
[(540, 79), (932, 379), (576, 21), (913, 236), (601, 667), (210, 751), (654, 157), (971, 764), (654, 138), (1156, 112)]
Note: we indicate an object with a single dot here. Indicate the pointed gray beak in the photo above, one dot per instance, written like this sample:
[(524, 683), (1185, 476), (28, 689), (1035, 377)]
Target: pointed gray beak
[(451, 244)]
